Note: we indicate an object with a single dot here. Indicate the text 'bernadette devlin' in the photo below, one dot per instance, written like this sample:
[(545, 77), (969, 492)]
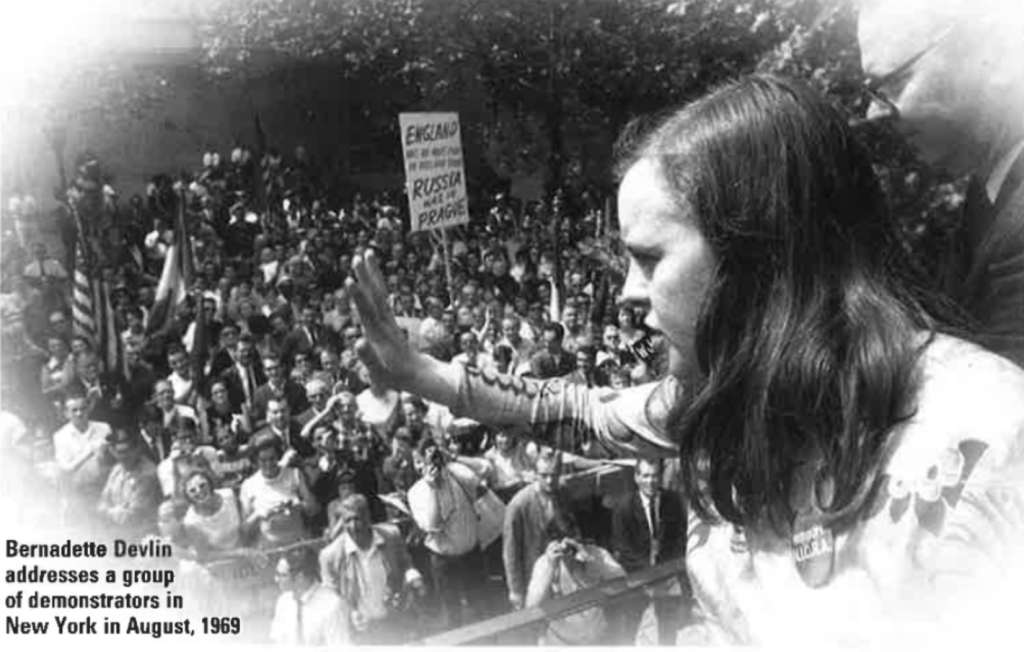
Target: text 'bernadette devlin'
[(68, 550)]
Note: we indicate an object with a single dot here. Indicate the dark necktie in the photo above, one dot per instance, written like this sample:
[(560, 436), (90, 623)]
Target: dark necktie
[(653, 507), (252, 381)]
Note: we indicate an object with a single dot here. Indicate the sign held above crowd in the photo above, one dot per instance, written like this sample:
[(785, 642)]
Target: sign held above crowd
[(435, 176)]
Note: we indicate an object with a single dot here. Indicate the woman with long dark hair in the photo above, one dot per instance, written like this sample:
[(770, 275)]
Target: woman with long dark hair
[(845, 454)]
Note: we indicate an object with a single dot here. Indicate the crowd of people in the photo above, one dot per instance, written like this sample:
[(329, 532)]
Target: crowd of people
[(244, 419), (834, 446)]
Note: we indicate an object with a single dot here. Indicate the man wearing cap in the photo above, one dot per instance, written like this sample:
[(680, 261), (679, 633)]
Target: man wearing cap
[(950, 73), (132, 493)]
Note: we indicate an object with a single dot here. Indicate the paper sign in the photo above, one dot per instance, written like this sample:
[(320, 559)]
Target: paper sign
[(435, 176)]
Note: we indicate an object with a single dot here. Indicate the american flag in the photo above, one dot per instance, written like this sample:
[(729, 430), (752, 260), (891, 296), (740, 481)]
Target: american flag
[(92, 313), (83, 314)]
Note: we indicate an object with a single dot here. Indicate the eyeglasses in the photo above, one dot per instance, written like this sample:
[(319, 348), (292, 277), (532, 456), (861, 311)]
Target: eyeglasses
[(872, 87)]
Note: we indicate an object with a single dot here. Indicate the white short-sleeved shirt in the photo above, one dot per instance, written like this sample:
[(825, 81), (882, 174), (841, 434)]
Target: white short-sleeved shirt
[(222, 529)]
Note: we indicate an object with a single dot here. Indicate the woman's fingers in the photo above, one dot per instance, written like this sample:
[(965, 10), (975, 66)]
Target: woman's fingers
[(368, 276), (365, 307), (369, 356), (375, 276), (371, 298)]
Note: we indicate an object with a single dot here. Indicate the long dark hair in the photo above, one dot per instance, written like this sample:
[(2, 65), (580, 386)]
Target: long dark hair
[(808, 338)]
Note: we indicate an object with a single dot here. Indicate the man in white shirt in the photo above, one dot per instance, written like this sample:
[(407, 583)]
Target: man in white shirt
[(181, 378), (80, 451), (522, 348), (370, 568), (442, 505), (307, 612)]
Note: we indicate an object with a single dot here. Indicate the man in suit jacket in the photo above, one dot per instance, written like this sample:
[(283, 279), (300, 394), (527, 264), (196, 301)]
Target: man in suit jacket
[(104, 392), (278, 386), (375, 600), (649, 528), (245, 375), (959, 95), (280, 424), (307, 335), (552, 360)]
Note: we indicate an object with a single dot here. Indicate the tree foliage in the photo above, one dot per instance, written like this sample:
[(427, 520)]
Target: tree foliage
[(548, 67), (561, 77)]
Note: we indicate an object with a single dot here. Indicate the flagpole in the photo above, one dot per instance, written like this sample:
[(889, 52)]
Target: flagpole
[(447, 266)]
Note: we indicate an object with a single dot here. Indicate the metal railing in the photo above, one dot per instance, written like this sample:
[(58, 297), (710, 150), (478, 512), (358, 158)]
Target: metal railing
[(490, 631)]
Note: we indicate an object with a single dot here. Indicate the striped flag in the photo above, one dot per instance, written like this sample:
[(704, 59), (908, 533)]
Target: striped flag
[(83, 315), (176, 277), (92, 313), (112, 348)]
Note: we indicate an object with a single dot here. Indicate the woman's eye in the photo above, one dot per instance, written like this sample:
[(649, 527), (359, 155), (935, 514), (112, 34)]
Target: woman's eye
[(645, 262)]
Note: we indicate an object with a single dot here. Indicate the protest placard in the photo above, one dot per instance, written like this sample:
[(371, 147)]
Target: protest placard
[(435, 177)]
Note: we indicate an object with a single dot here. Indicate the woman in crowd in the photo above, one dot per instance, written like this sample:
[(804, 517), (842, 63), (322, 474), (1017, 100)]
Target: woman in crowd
[(213, 522), (853, 466), (276, 500)]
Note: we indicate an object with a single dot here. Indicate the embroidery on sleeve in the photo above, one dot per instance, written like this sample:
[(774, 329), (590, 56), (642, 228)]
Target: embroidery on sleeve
[(938, 491)]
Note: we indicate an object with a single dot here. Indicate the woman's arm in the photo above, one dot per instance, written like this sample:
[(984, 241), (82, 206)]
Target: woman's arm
[(631, 421)]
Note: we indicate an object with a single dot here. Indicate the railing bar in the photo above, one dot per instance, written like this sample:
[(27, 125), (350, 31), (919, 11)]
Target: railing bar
[(566, 605)]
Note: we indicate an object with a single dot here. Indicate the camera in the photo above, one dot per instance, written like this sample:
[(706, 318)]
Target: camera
[(436, 458)]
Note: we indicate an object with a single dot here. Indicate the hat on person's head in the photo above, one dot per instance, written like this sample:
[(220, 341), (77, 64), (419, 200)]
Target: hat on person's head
[(603, 357), (122, 436)]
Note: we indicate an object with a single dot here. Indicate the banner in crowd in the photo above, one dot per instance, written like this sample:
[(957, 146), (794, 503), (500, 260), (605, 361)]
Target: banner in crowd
[(435, 176)]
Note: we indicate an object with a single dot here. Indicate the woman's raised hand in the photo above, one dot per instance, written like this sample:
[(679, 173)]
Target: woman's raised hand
[(384, 348)]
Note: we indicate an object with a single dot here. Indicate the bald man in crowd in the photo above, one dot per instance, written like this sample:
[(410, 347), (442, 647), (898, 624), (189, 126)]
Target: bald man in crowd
[(950, 73)]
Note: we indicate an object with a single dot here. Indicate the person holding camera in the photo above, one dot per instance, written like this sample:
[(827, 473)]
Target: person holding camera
[(569, 565), (442, 505), (531, 518), (275, 500)]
